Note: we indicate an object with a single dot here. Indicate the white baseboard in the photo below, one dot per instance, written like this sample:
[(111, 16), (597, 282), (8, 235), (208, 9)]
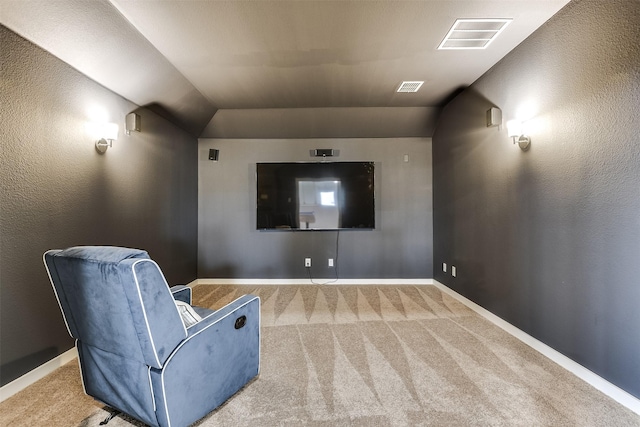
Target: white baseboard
[(317, 281), (36, 374), (192, 283), (611, 390)]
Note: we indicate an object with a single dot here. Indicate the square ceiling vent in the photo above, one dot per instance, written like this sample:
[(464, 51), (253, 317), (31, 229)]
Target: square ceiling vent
[(473, 33), (409, 87)]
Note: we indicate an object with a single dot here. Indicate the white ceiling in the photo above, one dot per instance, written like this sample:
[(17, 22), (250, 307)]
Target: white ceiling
[(193, 57)]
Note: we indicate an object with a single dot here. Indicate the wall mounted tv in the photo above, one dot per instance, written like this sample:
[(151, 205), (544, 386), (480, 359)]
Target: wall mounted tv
[(315, 196)]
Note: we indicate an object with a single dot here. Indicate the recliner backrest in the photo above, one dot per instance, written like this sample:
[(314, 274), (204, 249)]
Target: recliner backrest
[(116, 299)]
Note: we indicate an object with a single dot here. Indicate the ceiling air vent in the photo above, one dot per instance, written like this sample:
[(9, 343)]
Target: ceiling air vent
[(409, 87), (473, 33)]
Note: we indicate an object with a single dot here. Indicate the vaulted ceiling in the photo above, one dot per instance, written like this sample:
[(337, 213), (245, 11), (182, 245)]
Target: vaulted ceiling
[(189, 59)]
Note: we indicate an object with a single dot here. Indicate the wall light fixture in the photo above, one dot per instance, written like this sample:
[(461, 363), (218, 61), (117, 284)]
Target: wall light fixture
[(106, 132), (514, 128)]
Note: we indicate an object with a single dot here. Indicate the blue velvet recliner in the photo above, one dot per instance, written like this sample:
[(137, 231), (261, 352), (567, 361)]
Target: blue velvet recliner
[(136, 354)]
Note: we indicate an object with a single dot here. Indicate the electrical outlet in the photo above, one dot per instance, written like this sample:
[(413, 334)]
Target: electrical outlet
[(307, 262), (453, 270), (444, 267), (330, 262)]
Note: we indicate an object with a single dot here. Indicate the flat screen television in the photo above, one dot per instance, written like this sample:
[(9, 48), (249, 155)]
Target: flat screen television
[(315, 196)]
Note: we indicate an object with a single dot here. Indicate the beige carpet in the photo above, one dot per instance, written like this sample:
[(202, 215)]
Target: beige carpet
[(365, 356)]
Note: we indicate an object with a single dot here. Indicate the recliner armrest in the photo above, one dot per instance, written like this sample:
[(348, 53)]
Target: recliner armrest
[(225, 353), (181, 293), (227, 310)]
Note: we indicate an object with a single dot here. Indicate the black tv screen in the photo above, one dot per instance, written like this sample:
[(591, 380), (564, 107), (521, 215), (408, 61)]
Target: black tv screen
[(315, 196)]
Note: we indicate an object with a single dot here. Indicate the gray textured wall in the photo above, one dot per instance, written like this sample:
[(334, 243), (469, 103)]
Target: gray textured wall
[(304, 123), (230, 246), (57, 191), (549, 239)]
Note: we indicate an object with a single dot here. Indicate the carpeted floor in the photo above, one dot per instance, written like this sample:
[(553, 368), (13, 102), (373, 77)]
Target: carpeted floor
[(365, 356)]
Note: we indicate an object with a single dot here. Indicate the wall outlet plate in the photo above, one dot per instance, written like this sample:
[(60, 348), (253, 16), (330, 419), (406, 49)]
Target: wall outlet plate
[(307, 262)]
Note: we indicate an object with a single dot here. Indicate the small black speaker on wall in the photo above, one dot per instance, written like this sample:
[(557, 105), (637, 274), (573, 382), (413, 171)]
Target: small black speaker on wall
[(214, 154), (324, 152)]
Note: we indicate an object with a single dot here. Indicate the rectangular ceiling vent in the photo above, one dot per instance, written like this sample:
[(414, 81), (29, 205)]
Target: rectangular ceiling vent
[(473, 33), (409, 87)]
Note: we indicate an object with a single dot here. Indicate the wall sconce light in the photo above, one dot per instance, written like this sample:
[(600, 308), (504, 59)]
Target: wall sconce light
[(105, 133), (214, 154), (514, 128)]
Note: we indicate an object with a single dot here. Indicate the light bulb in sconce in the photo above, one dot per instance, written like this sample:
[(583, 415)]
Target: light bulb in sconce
[(106, 133), (514, 130)]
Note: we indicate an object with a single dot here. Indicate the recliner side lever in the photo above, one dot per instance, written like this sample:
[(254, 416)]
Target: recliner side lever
[(240, 322)]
